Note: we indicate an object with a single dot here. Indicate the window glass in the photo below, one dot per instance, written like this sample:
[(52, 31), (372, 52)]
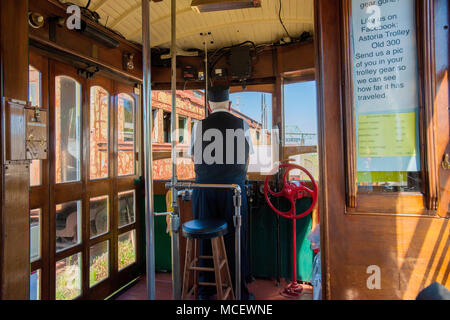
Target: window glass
[(34, 87), (386, 96), (35, 97), (68, 277), (67, 130), (155, 126), (181, 129), (35, 173), (99, 216), (126, 135), (127, 249), (98, 263), (167, 127), (255, 108), (99, 133), (35, 285), (35, 235), (68, 225), (127, 213), (300, 118)]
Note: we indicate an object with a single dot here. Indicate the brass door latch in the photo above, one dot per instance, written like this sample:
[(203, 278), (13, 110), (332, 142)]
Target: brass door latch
[(445, 162)]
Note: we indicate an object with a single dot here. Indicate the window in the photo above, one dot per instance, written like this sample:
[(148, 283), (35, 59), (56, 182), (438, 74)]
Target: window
[(167, 127), (68, 277), (127, 249), (181, 129), (255, 108), (300, 118), (34, 87), (98, 263), (155, 128), (36, 173), (35, 235), (35, 285), (386, 99), (68, 225), (99, 216), (35, 97), (68, 130), (127, 213), (99, 133), (126, 135)]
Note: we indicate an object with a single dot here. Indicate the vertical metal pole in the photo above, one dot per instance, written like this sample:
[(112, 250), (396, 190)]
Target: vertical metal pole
[(294, 251), (206, 77), (147, 118), (175, 218), (237, 241)]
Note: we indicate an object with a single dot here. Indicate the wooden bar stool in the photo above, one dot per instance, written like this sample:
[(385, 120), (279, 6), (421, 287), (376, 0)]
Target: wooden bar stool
[(204, 229)]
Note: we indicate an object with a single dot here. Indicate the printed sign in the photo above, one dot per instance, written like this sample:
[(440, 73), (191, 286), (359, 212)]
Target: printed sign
[(385, 82)]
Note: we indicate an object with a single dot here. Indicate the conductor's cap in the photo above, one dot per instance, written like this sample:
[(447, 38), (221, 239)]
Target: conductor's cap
[(219, 93)]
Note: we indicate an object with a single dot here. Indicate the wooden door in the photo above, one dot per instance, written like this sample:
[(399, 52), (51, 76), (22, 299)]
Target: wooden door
[(84, 208)]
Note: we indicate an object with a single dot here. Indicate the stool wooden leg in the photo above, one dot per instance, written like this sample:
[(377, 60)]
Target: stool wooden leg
[(216, 258), (196, 255), (228, 280), (187, 265)]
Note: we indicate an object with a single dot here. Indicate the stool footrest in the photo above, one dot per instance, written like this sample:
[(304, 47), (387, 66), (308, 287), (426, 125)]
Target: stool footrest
[(206, 269), (201, 269), (211, 284)]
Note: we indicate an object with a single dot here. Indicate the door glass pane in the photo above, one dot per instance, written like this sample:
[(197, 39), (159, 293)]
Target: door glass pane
[(35, 97), (99, 216), (126, 135), (67, 130), (34, 89), (35, 285), (99, 263), (68, 225), (35, 235), (99, 128), (386, 97), (35, 173), (127, 213), (127, 249), (68, 277)]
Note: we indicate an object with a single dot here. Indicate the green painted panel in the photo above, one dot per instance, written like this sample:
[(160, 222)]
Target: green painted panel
[(264, 243), (163, 258)]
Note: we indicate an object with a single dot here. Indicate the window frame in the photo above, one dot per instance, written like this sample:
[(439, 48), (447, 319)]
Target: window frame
[(396, 203)]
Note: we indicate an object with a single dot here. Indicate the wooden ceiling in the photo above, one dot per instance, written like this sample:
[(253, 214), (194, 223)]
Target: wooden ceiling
[(260, 25)]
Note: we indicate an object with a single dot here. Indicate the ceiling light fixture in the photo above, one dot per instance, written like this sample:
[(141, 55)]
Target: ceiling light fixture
[(222, 5)]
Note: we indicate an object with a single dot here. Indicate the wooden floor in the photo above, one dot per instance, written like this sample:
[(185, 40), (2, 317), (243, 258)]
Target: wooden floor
[(262, 289)]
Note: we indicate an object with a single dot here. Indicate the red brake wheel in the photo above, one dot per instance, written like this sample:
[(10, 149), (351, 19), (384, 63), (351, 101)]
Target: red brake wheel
[(292, 192)]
